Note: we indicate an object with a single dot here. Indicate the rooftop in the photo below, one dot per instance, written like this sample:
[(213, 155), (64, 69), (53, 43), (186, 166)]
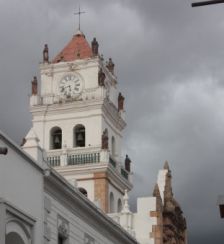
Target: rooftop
[(77, 48)]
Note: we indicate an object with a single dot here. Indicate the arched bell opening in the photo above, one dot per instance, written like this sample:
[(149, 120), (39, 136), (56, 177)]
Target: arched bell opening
[(56, 138), (79, 136)]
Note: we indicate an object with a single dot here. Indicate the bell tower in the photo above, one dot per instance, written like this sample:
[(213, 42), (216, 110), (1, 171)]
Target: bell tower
[(78, 117)]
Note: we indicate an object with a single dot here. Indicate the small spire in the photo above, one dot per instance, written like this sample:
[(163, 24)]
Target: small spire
[(126, 204), (156, 192), (166, 165)]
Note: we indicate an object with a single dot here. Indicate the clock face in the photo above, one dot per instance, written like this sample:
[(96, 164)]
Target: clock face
[(70, 85)]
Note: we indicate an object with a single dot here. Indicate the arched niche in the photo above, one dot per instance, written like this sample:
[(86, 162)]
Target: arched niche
[(111, 202), (55, 138), (119, 205)]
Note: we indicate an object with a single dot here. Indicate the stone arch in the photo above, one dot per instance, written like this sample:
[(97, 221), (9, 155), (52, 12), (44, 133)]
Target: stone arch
[(55, 138), (119, 205), (17, 233), (111, 202), (79, 136)]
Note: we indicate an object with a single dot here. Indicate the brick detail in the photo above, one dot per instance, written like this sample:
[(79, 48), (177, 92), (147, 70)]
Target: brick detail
[(101, 190), (157, 234), (157, 229)]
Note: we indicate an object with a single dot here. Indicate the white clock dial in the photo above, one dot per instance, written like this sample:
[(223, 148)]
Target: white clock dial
[(70, 85)]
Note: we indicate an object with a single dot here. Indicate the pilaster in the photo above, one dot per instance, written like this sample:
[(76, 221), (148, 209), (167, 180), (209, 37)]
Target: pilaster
[(101, 190)]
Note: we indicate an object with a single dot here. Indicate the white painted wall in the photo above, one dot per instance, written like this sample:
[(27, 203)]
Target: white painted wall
[(22, 185), (77, 225), (117, 195)]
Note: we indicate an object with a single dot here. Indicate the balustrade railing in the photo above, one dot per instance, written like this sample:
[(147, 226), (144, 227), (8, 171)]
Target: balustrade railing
[(87, 158), (124, 173), (112, 162), (54, 161), (82, 159)]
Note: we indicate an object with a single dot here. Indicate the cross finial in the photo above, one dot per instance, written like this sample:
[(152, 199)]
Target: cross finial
[(79, 13)]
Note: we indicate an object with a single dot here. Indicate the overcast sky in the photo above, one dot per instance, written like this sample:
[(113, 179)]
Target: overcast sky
[(170, 64)]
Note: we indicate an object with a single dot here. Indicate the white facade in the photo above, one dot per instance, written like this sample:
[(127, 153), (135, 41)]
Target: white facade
[(38, 206)]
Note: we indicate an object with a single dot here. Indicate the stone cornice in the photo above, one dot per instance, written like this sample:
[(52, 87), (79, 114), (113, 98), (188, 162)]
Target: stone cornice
[(77, 106), (30, 220), (69, 66), (115, 177), (77, 203)]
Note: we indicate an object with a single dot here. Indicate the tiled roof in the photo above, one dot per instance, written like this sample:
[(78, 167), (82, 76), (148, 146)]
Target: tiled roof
[(77, 48)]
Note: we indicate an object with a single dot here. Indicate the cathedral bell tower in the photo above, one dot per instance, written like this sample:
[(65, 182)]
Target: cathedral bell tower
[(78, 118)]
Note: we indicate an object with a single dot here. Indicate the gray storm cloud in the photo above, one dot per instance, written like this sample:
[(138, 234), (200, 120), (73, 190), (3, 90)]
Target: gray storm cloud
[(169, 61)]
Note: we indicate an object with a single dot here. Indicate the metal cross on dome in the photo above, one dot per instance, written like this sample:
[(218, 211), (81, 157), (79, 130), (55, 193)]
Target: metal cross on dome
[(204, 3), (79, 13)]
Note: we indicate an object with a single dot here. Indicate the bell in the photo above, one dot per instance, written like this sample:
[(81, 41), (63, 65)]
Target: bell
[(80, 137), (56, 140)]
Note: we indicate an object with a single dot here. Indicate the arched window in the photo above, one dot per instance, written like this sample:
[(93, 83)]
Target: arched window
[(56, 138), (119, 205), (79, 136), (13, 238), (83, 191), (113, 147), (111, 202)]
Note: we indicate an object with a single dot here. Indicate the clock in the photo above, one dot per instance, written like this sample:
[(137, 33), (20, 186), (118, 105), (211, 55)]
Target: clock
[(70, 85)]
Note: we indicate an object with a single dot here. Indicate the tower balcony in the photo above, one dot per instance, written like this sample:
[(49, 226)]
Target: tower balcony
[(86, 157)]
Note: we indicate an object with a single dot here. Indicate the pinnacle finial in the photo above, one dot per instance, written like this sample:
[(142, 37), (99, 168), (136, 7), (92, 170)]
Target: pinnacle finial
[(166, 165), (156, 192)]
